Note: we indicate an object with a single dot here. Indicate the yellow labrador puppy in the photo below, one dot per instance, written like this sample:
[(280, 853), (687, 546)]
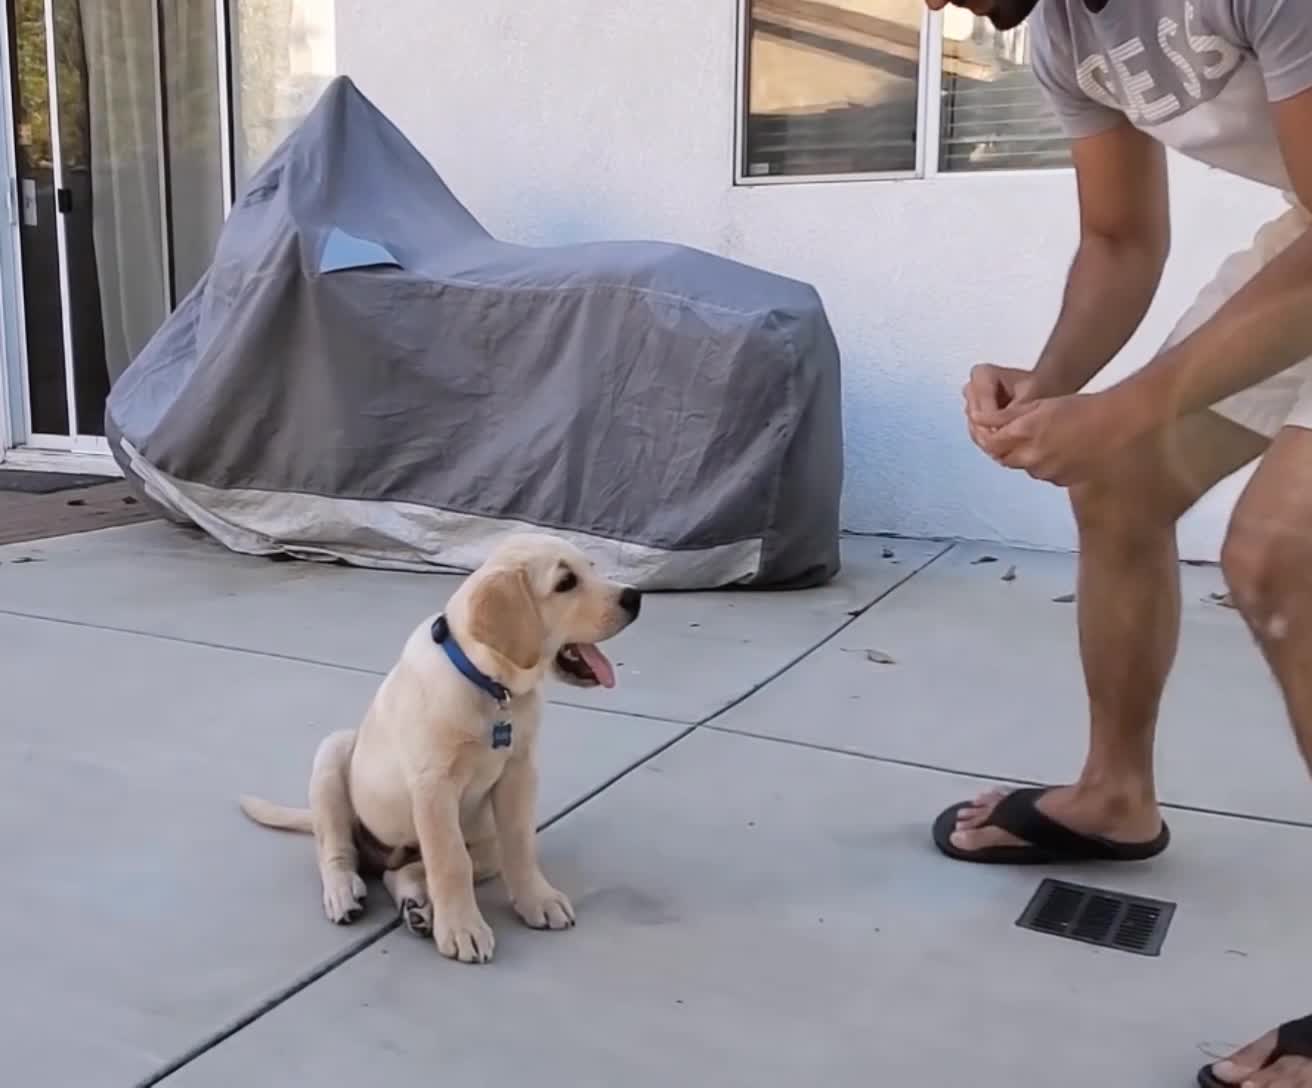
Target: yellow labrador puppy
[(437, 789)]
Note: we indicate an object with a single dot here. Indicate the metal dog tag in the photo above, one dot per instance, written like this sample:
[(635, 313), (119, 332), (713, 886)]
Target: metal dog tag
[(501, 734)]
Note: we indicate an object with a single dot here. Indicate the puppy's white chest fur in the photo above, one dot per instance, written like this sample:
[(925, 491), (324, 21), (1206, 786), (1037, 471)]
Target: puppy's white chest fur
[(396, 749), (477, 792)]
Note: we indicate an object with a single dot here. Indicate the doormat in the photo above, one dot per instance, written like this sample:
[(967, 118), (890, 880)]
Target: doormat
[(25, 516), (46, 483), (1128, 923)]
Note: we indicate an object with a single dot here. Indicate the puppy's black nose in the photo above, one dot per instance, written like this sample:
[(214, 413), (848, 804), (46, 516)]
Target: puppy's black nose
[(631, 601)]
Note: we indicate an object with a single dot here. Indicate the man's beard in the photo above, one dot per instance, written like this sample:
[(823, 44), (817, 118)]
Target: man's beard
[(1009, 14)]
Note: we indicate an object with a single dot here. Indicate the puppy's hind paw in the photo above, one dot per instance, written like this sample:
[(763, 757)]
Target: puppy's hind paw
[(344, 897), (418, 916)]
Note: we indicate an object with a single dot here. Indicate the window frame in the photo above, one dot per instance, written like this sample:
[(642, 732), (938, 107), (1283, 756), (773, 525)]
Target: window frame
[(929, 106)]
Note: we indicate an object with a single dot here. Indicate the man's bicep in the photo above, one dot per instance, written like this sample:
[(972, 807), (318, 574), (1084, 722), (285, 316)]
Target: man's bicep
[(1121, 175)]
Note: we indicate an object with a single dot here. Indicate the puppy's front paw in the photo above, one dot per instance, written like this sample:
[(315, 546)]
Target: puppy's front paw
[(545, 908), (466, 938), (343, 897)]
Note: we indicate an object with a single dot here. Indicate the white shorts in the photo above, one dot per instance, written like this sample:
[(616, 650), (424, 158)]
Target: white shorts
[(1286, 399)]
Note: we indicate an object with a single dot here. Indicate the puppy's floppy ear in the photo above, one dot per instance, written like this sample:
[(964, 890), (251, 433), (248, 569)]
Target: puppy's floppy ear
[(504, 617)]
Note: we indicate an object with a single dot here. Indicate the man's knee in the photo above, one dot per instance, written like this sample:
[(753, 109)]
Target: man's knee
[(1126, 504), (1140, 493), (1265, 563)]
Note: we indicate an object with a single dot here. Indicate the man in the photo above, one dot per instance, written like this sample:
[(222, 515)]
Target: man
[(1228, 82)]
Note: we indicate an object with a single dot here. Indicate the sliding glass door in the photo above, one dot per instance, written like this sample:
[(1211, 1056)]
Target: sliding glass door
[(123, 173), (128, 125)]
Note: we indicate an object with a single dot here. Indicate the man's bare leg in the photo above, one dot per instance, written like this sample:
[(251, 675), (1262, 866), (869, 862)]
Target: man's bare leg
[(1268, 564), (1128, 600)]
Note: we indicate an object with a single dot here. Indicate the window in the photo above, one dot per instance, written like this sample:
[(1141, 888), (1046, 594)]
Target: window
[(842, 88), (284, 54), (129, 123)]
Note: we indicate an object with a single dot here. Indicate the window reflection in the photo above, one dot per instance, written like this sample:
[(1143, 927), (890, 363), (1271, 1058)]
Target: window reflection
[(832, 86), (995, 115), (284, 54)]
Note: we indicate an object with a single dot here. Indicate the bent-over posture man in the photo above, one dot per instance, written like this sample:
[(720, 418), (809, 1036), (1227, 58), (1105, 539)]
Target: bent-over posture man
[(1228, 82)]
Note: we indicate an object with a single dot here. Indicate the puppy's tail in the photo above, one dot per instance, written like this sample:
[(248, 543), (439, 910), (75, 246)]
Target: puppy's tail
[(282, 817)]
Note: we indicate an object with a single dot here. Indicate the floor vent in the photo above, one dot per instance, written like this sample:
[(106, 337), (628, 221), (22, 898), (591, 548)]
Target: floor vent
[(1095, 916)]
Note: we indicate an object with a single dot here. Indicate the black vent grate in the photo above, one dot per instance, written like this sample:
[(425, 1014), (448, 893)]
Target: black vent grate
[(1096, 916)]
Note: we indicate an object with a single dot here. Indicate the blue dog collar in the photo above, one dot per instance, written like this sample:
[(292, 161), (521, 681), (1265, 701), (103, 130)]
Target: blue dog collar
[(471, 672)]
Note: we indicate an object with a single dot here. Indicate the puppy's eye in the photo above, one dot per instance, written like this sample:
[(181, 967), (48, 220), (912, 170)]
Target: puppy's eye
[(569, 580)]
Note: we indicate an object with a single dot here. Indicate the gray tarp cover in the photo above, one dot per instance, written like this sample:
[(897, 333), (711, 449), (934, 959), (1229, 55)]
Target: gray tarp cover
[(366, 374)]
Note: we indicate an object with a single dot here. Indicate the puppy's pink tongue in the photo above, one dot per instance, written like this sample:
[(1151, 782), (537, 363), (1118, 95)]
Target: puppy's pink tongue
[(599, 663)]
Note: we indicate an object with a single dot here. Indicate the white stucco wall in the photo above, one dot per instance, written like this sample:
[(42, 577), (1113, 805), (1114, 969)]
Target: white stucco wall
[(615, 118)]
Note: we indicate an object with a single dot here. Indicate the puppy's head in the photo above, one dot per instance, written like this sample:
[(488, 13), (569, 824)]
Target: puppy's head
[(537, 603)]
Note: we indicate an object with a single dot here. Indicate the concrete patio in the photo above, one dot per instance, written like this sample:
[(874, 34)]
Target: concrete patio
[(742, 825)]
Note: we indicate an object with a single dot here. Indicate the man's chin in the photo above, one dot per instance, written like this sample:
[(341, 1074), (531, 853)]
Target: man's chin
[(1009, 14)]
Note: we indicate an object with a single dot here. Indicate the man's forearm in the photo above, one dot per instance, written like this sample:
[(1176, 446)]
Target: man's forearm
[(1109, 288), (1264, 329)]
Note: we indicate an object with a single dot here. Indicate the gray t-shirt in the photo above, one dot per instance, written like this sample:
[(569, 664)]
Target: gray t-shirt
[(1197, 75)]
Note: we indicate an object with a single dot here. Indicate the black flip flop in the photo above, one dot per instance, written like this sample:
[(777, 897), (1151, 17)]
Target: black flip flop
[(1046, 841), (1292, 1040)]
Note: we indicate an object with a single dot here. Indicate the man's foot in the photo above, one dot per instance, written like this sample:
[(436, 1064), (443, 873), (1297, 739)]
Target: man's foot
[(1017, 828), (1116, 818), (1280, 1059)]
